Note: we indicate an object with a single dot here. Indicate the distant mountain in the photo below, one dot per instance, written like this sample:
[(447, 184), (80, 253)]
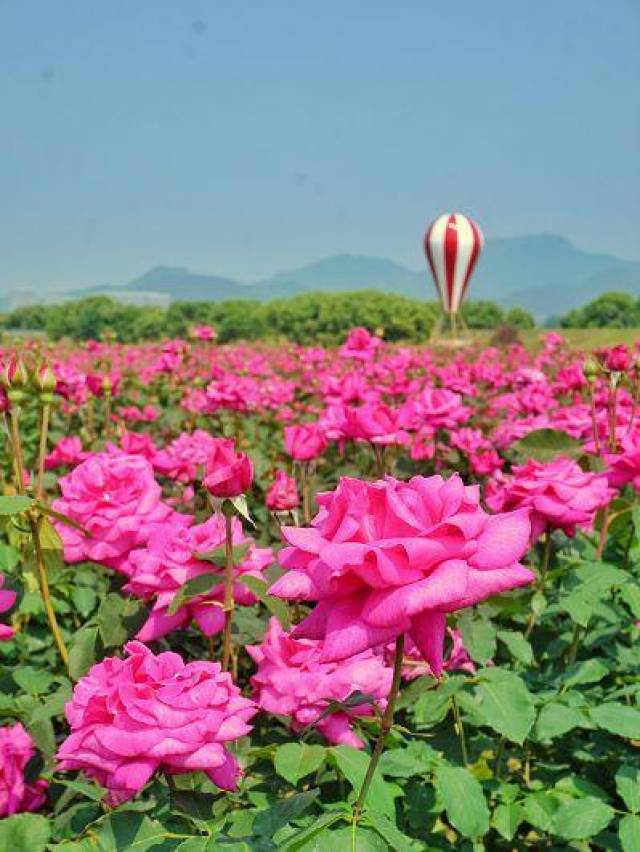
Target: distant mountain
[(545, 274)]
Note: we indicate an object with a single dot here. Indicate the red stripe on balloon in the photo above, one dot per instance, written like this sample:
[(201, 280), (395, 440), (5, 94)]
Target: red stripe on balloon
[(450, 256), (477, 242), (427, 251)]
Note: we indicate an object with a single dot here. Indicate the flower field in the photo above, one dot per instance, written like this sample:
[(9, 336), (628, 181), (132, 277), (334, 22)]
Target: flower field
[(375, 597)]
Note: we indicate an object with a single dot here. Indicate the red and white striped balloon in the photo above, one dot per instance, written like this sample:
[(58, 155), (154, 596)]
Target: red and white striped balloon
[(453, 243)]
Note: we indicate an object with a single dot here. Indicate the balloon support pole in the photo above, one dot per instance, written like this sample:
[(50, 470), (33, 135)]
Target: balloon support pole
[(447, 329)]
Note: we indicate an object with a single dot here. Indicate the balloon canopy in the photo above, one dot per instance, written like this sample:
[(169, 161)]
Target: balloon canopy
[(452, 243)]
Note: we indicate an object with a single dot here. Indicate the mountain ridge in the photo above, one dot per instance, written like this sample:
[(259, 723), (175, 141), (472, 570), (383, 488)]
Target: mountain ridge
[(543, 273)]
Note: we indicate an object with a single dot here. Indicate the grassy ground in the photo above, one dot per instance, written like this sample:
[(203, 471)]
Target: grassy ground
[(581, 338)]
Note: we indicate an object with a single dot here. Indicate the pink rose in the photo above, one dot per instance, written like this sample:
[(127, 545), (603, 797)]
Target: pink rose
[(66, 453), (360, 344), (293, 681), (283, 494), (7, 600), (227, 473), (16, 795), (169, 560), (376, 423), (116, 499), (389, 557), (559, 494), (153, 713), (304, 442)]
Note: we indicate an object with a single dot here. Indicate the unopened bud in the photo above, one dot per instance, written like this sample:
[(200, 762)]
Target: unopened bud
[(45, 379), (590, 370), (14, 375)]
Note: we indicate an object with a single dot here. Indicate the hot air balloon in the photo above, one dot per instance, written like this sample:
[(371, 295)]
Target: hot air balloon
[(452, 243)]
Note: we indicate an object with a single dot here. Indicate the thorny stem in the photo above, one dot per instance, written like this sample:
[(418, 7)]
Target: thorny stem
[(42, 452), (306, 492), (228, 592), (544, 567), (575, 644), (45, 592), (17, 448), (460, 729), (497, 767), (385, 727)]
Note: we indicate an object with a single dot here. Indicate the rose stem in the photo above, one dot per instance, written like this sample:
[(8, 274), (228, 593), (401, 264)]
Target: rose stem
[(460, 729), (544, 567), (42, 452), (385, 727), (228, 591)]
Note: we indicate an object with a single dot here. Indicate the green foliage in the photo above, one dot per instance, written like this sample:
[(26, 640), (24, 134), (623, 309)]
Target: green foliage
[(610, 310), (311, 318)]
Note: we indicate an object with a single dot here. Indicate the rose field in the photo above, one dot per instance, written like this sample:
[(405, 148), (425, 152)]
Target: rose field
[(285, 597)]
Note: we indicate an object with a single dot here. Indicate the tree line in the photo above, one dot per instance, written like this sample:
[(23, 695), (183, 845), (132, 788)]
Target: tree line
[(321, 318)]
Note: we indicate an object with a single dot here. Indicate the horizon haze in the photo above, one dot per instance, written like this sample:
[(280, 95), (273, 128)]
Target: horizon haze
[(241, 138)]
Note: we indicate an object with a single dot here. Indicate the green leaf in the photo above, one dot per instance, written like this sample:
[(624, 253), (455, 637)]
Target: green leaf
[(517, 645), (276, 606), (15, 505), (629, 833), (219, 557), (304, 837), (589, 671), (353, 765), (539, 808), (33, 681), (194, 588), (507, 818), (118, 619), (544, 445), (582, 818), (432, 706), (463, 800), (418, 759), (504, 703), (195, 803), (630, 594), (628, 787), (617, 718), (555, 719), (394, 838), (269, 822), (24, 833), (129, 831), (343, 840), (51, 544), (82, 654), (478, 635), (9, 557), (295, 760)]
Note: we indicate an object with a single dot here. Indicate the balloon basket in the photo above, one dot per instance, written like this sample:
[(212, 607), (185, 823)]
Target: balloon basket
[(450, 332)]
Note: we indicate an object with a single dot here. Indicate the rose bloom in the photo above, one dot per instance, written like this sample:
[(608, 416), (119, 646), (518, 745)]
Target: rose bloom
[(560, 494), (283, 494), (623, 467), (617, 358), (293, 681), (116, 499), (153, 713), (375, 423), (181, 459), (228, 473), (388, 557), (360, 344), (16, 795), (169, 560), (66, 453), (7, 600), (304, 442)]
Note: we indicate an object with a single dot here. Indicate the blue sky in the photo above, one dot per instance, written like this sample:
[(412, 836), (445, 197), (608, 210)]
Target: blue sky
[(240, 137)]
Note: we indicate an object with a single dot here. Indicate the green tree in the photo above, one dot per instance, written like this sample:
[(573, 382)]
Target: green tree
[(610, 310)]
